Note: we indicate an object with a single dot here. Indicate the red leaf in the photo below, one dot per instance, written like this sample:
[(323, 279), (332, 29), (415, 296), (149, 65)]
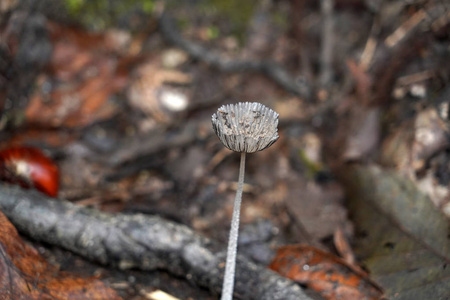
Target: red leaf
[(323, 272)]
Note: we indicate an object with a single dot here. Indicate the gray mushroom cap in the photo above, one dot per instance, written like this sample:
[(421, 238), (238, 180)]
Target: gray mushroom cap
[(246, 126)]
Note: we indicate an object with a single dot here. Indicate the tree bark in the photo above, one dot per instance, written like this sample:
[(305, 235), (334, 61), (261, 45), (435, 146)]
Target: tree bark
[(138, 241)]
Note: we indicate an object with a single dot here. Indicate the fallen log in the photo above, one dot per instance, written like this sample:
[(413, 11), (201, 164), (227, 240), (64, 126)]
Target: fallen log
[(138, 241)]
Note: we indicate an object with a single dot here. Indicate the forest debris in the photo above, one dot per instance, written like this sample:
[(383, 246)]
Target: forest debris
[(327, 43), (317, 207), (83, 75), (396, 149), (24, 274), (149, 94), (25, 50), (150, 143), (363, 81), (7, 5), (40, 138), (159, 295), (138, 241), (274, 71), (410, 146), (219, 157), (173, 58), (403, 237), (399, 200), (429, 185), (431, 135), (260, 32), (364, 133), (343, 246), (324, 272), (405, 28), (371, 45), (415, 77)]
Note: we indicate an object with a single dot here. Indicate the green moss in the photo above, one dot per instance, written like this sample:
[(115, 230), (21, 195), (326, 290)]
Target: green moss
[(312, 168), (101, 14), (237, 12), (212, 32)]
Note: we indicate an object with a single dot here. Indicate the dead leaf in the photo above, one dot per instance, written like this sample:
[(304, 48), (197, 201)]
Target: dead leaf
[(44, 138), (412, 144), (403, 237), (363, 82), (24, 274), (343, 247), (363, 133), (324, 272), (82, 75), (318, 208), (149, 93)]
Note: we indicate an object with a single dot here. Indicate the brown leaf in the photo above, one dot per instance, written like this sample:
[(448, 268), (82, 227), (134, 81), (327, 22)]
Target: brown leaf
[(323, 272), (363, 133), (82, 75), (24, 274), (318, 208), (363, 82), (148, 93), (343, 247), (402, 236)]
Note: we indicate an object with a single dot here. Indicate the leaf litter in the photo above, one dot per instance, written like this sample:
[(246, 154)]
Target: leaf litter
[(129, 150)]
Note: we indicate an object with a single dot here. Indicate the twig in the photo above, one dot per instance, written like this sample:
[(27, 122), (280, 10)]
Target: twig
[(143, 146), (138, 241), (405, 29), (371, 44), (272, 70), (326, 54), (415, 77)]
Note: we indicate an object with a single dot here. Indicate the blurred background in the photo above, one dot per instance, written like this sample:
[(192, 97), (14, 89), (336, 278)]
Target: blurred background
[(120, 95)]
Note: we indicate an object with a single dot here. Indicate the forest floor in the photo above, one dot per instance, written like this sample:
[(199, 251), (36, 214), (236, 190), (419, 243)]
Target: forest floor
[(357, 185)]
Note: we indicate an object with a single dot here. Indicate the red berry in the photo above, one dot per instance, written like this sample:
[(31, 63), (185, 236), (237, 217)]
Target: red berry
[(29, 167)]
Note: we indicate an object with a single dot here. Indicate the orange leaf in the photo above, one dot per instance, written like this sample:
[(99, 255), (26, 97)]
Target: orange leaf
[(323, 272), (24, 274)]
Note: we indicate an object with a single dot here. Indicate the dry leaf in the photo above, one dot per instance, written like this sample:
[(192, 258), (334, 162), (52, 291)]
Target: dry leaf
[(24, 274), (83, 74), (403, 237), (326, 273)]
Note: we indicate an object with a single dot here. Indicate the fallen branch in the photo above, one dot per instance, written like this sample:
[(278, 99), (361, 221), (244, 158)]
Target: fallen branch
[(272, 70), (138, 241)]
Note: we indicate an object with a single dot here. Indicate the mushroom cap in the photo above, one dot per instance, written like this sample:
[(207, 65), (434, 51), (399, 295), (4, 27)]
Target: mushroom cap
[(246, 126)]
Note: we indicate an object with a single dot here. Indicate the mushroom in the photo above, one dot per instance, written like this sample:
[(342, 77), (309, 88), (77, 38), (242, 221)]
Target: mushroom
[(246, 128)]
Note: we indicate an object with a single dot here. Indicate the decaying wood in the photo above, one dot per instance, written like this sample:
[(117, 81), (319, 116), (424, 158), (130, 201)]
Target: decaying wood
[(138, 241), (140, 146)]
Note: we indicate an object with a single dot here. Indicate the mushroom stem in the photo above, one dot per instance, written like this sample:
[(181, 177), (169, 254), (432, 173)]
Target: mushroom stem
[(228, 280)]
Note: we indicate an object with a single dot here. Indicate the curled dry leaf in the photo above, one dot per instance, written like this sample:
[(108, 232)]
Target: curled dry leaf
[(150, 92), (324, 272), (24, 274)]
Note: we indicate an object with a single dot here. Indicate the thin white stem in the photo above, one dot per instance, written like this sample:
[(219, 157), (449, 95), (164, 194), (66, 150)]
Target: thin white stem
[(228, 280)]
